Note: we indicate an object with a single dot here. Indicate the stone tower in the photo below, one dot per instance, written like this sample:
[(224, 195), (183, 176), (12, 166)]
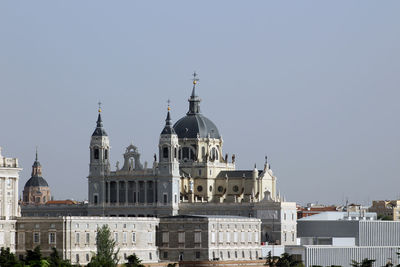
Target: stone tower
[(168, 168), (36, 189), (99, 165)]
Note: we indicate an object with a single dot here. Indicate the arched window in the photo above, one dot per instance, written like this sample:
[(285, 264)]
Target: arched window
[(185, 153), (96, 153), (175, 152), (165, 152), (203, 152), (105, 154)]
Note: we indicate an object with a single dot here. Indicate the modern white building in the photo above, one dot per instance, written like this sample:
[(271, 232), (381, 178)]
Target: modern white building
[(336, 239)]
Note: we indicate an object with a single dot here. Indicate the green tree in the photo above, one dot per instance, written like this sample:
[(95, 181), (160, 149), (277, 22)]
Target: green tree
[(364, 263), (8, 259), (56, 261), (287, 260), (34, 258), (106, 255), (271, 260), (134, 261)]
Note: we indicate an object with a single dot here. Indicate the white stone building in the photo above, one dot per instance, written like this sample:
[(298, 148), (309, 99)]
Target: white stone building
[(209, 237), (9, 209), (191, 176), (75, 237)]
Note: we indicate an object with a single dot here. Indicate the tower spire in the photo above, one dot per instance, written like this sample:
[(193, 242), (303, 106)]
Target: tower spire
[(194, 100), (168, 129), (99, 124), (36, 159)]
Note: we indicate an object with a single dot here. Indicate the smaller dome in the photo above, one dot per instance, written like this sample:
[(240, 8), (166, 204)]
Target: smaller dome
[(36, 181)]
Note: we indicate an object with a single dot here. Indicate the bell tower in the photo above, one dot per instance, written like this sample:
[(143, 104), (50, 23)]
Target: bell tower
[(168, 167), (99, 165)]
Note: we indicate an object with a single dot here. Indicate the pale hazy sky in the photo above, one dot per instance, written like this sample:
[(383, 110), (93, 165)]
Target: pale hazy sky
[(312, 84)]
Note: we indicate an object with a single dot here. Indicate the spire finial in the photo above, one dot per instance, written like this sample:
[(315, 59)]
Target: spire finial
[(36, 154), (195, 80), (169, 107), (99, 106)]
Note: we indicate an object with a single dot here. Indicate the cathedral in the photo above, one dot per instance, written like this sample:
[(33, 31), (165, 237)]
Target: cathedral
[(190, 175)]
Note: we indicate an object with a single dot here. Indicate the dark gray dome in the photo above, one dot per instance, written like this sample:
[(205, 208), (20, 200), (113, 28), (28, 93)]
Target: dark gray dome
[(193, 125), (36, 181)]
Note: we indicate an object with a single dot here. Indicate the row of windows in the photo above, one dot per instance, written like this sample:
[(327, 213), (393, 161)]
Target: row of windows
[(227, 237), (87, 257), (52, 238), (222, 226), (292, 216), (228, 254), (125, 226)]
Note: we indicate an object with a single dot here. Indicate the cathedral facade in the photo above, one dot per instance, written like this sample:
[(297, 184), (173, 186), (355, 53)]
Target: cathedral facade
[(190, 175)]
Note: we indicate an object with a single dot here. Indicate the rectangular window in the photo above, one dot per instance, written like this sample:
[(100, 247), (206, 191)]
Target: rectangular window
[(87, 238), (181, 237), (256, 234), (21, 238), (125, 237), (105, 154), (220, 237), (197, 254), (165, 254), (133, 237), (235, 237), (165, 198), (165, 237), (77, 257), (36, 237), (293, 237), (197, 237), (96, 153), (249, 237), (52, 238), (116, 237), (242, 237), (285, 237), (77, 238), (87, 257), (212, 237), (228, 237)]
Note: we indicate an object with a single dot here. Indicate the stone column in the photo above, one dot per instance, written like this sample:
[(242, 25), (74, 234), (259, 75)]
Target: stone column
[(126, 192), (109, 192), (154, 191), (145, 191), (117, 192)]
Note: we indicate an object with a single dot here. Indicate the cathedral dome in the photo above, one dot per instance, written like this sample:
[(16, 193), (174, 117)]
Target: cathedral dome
[(194, 124), (36, 181)]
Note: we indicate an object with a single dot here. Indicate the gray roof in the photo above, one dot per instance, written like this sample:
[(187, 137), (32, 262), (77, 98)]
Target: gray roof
[(36, 181), (193, 125), (168, 127), (207, 216), (99, 131)]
